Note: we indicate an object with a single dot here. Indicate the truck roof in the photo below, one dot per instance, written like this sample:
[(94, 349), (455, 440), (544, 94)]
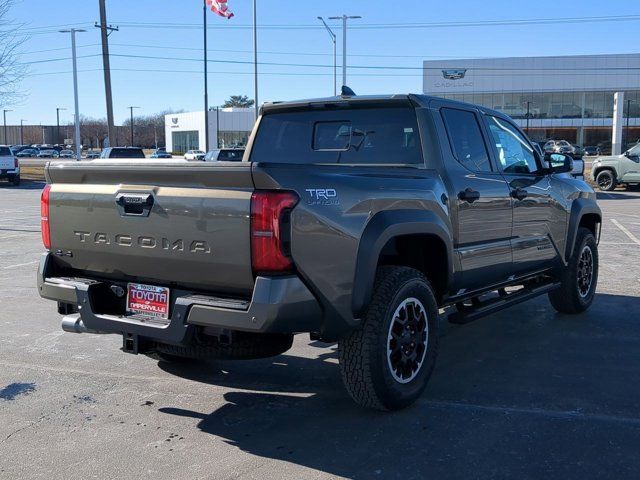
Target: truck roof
[(397, 98)]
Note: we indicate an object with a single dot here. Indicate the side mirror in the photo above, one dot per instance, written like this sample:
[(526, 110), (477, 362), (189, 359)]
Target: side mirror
[(559, 163)]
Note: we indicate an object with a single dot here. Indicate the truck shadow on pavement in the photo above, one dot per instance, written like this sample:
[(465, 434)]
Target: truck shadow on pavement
[(526, 392), (616, 195), (24, 185)]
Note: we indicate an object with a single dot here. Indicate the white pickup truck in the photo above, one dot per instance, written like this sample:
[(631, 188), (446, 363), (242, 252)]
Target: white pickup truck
[(9, 167)]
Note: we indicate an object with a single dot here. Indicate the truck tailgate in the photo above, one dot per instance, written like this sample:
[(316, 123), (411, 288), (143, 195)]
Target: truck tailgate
[(174, 224)]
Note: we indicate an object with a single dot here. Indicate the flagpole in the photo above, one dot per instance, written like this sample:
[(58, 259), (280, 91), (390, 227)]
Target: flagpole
[(206, 92), (255, 58)]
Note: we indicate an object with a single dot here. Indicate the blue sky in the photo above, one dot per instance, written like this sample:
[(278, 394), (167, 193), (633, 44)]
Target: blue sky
[(170, 79)]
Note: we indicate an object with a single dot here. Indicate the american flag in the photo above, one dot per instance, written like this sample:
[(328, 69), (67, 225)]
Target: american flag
[(220, 7)]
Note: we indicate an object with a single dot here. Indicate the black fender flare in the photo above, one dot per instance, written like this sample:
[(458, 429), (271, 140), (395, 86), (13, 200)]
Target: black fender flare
[(379, 230), (579, 208)]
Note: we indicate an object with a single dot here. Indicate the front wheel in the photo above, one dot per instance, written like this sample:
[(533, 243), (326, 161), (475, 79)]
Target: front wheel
[(386, 364), (579, 278), (606, 180)]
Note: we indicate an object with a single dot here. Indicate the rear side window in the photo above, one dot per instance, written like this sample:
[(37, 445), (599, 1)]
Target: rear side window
[(230, 155), (5, 152), (351, 136), (466, 139)]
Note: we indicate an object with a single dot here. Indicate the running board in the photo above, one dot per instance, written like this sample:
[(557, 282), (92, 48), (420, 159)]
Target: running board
[(504, 300)]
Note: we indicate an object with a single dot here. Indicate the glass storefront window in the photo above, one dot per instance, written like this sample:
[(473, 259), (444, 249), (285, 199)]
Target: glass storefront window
[(183, 141)]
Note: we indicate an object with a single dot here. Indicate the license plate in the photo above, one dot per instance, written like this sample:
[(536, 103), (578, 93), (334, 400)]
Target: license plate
[(147, 300)]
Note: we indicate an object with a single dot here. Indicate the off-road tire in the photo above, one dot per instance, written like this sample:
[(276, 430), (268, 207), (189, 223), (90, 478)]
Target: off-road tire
[(15, 180), (244, 346), (567, 298), (606, 180), (364, 363)]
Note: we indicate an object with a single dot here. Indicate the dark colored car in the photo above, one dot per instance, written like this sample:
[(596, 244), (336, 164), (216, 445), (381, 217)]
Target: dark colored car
[(28, 153), (48, 153), (161, 154), (592, 151), (355, 220), (122, 152), (67, 154)]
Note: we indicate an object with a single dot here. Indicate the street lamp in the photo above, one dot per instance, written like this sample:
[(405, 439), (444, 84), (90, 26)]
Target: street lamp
[(131, 110), (344, 19), (73, 32), (335, 59), (58, 123), (21, 135), (4, 112)]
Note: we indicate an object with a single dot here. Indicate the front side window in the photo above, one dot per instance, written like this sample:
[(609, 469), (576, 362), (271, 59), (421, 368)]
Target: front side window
[(514, 153), (466, 139)]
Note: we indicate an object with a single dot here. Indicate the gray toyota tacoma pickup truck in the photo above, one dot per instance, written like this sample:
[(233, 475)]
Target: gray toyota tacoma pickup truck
[(359, 220)]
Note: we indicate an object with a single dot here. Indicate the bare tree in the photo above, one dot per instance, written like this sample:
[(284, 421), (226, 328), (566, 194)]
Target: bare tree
[(11, 70)]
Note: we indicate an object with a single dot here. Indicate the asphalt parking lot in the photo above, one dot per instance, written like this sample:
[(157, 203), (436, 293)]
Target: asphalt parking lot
[(525, 393)]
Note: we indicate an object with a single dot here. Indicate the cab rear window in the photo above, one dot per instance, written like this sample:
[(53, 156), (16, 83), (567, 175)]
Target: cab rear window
[(5, 152), (350, 136)]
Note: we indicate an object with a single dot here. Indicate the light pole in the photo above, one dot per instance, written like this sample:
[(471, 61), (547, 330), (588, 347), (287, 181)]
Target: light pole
[(21, 135), (344, 19), (335, 58), (255, 56), (4, 114), (528, 107), (58, 123), (73, 32), (206, 90), (131, 110)]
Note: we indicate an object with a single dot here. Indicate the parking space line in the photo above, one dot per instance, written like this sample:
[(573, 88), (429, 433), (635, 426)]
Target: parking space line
[(633, 238)]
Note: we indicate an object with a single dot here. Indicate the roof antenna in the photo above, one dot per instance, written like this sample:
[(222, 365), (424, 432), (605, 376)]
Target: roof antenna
[(347, 92)]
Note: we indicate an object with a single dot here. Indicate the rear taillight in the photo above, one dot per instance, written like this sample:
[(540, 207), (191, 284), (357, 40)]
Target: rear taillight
[(270, 249), (15, 162), (44, 217)]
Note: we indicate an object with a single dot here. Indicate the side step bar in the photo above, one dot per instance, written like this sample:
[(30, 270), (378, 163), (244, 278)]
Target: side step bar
[(504, 300)]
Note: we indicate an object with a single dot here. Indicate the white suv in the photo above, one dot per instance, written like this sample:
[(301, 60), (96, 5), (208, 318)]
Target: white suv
[(194, 155), (9, 167)]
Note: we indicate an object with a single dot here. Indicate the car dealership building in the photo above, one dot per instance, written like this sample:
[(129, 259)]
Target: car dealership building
[(587, 99), (230, 126)]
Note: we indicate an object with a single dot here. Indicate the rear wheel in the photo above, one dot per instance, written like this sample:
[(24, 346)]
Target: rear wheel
[(15, 180), (386, 364), (579, 278), (606, 180)]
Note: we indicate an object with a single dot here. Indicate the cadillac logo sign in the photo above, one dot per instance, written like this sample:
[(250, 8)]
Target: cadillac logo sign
[(174, 120), (454, 73)]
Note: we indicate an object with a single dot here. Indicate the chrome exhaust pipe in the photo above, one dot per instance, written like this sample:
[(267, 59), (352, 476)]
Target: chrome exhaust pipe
[(74, 324)]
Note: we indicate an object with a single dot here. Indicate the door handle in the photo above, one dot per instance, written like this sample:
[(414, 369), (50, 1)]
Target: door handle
[(469, 195), (134, 204), (519, 194)]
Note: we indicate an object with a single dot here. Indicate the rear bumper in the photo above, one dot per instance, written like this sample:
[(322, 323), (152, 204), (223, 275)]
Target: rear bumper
[(4, 173), (278, 305)]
